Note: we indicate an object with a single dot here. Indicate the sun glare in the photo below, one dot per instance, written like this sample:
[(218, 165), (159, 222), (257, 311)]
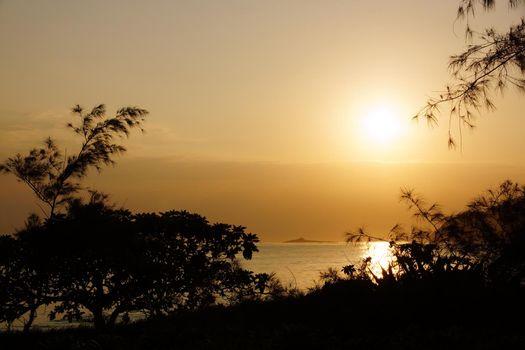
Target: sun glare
[(381, 256), (381, 124)]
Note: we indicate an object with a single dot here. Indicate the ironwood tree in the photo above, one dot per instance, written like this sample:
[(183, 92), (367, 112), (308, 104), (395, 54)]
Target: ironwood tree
[(492, 61), (54, 176)]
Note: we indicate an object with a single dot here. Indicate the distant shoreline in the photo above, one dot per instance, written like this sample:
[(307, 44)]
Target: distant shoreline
[(303, 240)]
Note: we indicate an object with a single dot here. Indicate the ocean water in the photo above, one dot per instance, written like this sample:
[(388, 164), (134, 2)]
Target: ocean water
[(300, 264)]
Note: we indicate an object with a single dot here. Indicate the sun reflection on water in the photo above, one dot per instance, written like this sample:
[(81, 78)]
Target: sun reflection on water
[(380, 254)]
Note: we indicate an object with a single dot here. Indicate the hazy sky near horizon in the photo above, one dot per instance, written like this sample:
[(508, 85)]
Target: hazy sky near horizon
[(256, 107)]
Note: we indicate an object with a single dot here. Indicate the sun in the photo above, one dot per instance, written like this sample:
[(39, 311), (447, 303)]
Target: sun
[(381, 124)]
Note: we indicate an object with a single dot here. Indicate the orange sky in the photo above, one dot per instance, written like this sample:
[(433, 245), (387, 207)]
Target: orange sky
[(256, 106)]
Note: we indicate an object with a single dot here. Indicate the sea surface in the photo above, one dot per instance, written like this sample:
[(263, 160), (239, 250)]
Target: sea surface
[(297, 265), (300, 264)]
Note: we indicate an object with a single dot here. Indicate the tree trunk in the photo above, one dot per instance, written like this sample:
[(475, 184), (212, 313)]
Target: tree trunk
[(30, 320), (98, 310), (113, 318), (98, 319)]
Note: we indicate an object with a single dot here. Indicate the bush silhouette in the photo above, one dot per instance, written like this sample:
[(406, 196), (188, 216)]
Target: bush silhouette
[(484, 240)]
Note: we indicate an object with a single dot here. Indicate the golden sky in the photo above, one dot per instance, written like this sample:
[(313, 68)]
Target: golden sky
[(257, 108)]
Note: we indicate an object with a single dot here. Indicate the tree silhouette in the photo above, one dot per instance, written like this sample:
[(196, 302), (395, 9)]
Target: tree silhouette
[(25, 286), (491, 62), (106, 262), (54, 176)]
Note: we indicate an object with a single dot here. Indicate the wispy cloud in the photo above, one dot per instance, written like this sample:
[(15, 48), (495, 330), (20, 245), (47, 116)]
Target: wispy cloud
[(20, 121), (22, 130)]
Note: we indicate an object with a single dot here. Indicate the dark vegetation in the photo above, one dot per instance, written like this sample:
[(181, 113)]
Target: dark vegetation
[(487, 240), (106, 262), (451, 314), (457, 284)]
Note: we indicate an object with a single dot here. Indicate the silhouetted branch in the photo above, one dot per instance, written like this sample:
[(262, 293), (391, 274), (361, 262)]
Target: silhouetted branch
[(53, 176), (480, 71)]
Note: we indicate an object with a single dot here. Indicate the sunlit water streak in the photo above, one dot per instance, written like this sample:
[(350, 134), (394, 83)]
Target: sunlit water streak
[(295, 264)]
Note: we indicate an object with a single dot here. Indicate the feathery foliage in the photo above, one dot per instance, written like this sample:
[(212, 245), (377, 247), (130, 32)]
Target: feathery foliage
[(491, 62), (54, 176)]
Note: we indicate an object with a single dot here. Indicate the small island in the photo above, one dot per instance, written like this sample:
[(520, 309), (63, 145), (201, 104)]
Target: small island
[(303, 240)]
